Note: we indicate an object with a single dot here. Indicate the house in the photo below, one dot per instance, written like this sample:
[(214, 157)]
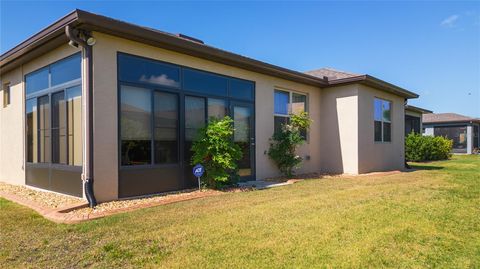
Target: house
[(413, 119), (461, 129), (118, 105)]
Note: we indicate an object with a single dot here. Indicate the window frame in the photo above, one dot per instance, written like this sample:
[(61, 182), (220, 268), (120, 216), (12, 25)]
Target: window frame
[(7, 94), (49, 92), (181, 92), (382, 141), (289, 109)]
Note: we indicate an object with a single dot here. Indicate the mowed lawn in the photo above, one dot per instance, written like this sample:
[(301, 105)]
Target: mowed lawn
[(426, 218)]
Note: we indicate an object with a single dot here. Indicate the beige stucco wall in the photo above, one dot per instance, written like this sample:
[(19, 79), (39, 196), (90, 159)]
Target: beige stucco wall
[(12, 118), (377, 156), (105, 87), (11, 130), (339, 130)]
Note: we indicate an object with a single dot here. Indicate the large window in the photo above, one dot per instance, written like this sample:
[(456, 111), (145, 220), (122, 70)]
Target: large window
[(53, 119), (382, 120), (136, 128), (151, 94), (285, 104), (166, 127), (140, 70)]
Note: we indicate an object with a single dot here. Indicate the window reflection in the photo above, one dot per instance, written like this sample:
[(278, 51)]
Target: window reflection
[(74, 125), (44, 129), (36, 81), (66, 70), (59, 139), (217, 108), (241, 89), (199, 81), (135, 125), (135, 69), (166, 127), (32, 130)]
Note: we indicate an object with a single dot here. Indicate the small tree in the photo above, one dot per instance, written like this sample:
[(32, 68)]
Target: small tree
[(215, 150), (284, 143)]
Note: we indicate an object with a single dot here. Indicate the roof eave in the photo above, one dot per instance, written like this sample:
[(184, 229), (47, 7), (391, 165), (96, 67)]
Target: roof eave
[(417, 109), (94, 22), (376, 83), (39, 42)]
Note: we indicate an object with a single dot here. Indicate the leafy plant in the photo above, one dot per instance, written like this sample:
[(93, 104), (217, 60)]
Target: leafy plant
[(283, 144), (215, 150), (427, 148)]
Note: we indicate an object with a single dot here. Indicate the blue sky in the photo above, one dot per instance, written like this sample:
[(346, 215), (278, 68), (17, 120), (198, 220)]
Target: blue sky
[(432, 48)]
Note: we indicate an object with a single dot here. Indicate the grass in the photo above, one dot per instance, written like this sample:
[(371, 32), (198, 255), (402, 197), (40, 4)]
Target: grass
[(426, 218)]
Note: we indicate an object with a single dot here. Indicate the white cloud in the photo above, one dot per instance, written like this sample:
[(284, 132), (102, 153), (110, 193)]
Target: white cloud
[(450, 21), (162, 80)]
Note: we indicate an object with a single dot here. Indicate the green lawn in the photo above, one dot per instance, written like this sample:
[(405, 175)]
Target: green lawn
[(426, 218)]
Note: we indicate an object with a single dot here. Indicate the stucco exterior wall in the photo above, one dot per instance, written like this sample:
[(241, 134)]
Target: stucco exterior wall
[(11, 134), (380, 156), (339, 129), (12, 118), (106, 118)]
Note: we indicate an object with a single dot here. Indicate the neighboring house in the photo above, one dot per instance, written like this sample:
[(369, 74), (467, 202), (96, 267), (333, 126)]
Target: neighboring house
[(121, 104), (413, 119), (463, 130)]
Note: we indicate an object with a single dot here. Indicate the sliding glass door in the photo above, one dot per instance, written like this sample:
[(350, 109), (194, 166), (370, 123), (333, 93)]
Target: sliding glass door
[(244, 136)]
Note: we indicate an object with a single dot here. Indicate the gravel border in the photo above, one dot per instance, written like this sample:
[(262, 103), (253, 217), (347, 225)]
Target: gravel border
[(43, 198)]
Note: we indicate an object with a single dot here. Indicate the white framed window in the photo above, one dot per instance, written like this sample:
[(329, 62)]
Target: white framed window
[(382, 120), (285, 104)]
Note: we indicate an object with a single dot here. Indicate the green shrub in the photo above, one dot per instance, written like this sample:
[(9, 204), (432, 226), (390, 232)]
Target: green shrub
[(283, 144), (427, 148), (215, 150)]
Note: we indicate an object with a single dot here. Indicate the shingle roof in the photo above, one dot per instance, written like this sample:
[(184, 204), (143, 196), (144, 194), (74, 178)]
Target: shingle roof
[(446, 117), (337, 77), (332, 74)]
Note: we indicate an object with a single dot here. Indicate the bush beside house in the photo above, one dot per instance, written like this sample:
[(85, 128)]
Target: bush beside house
[(284, 143), (427, 148), (215, 150)]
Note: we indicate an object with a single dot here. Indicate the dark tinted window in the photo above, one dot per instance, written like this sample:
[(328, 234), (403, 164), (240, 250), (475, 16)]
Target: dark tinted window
[(44, 129), (194, 116), (217, 108), (378, 131), (204, 82), (135, 122), (59, 128), (66, 70), (241, 89), (31, 129), (279, 122), (135, 69), (387, 137), (166, 127), (37, 80)]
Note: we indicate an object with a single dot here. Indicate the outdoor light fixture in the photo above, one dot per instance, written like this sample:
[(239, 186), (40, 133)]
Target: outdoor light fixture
[(91, 41)]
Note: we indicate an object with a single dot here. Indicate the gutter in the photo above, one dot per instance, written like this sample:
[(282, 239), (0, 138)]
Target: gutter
[(78, 38)]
